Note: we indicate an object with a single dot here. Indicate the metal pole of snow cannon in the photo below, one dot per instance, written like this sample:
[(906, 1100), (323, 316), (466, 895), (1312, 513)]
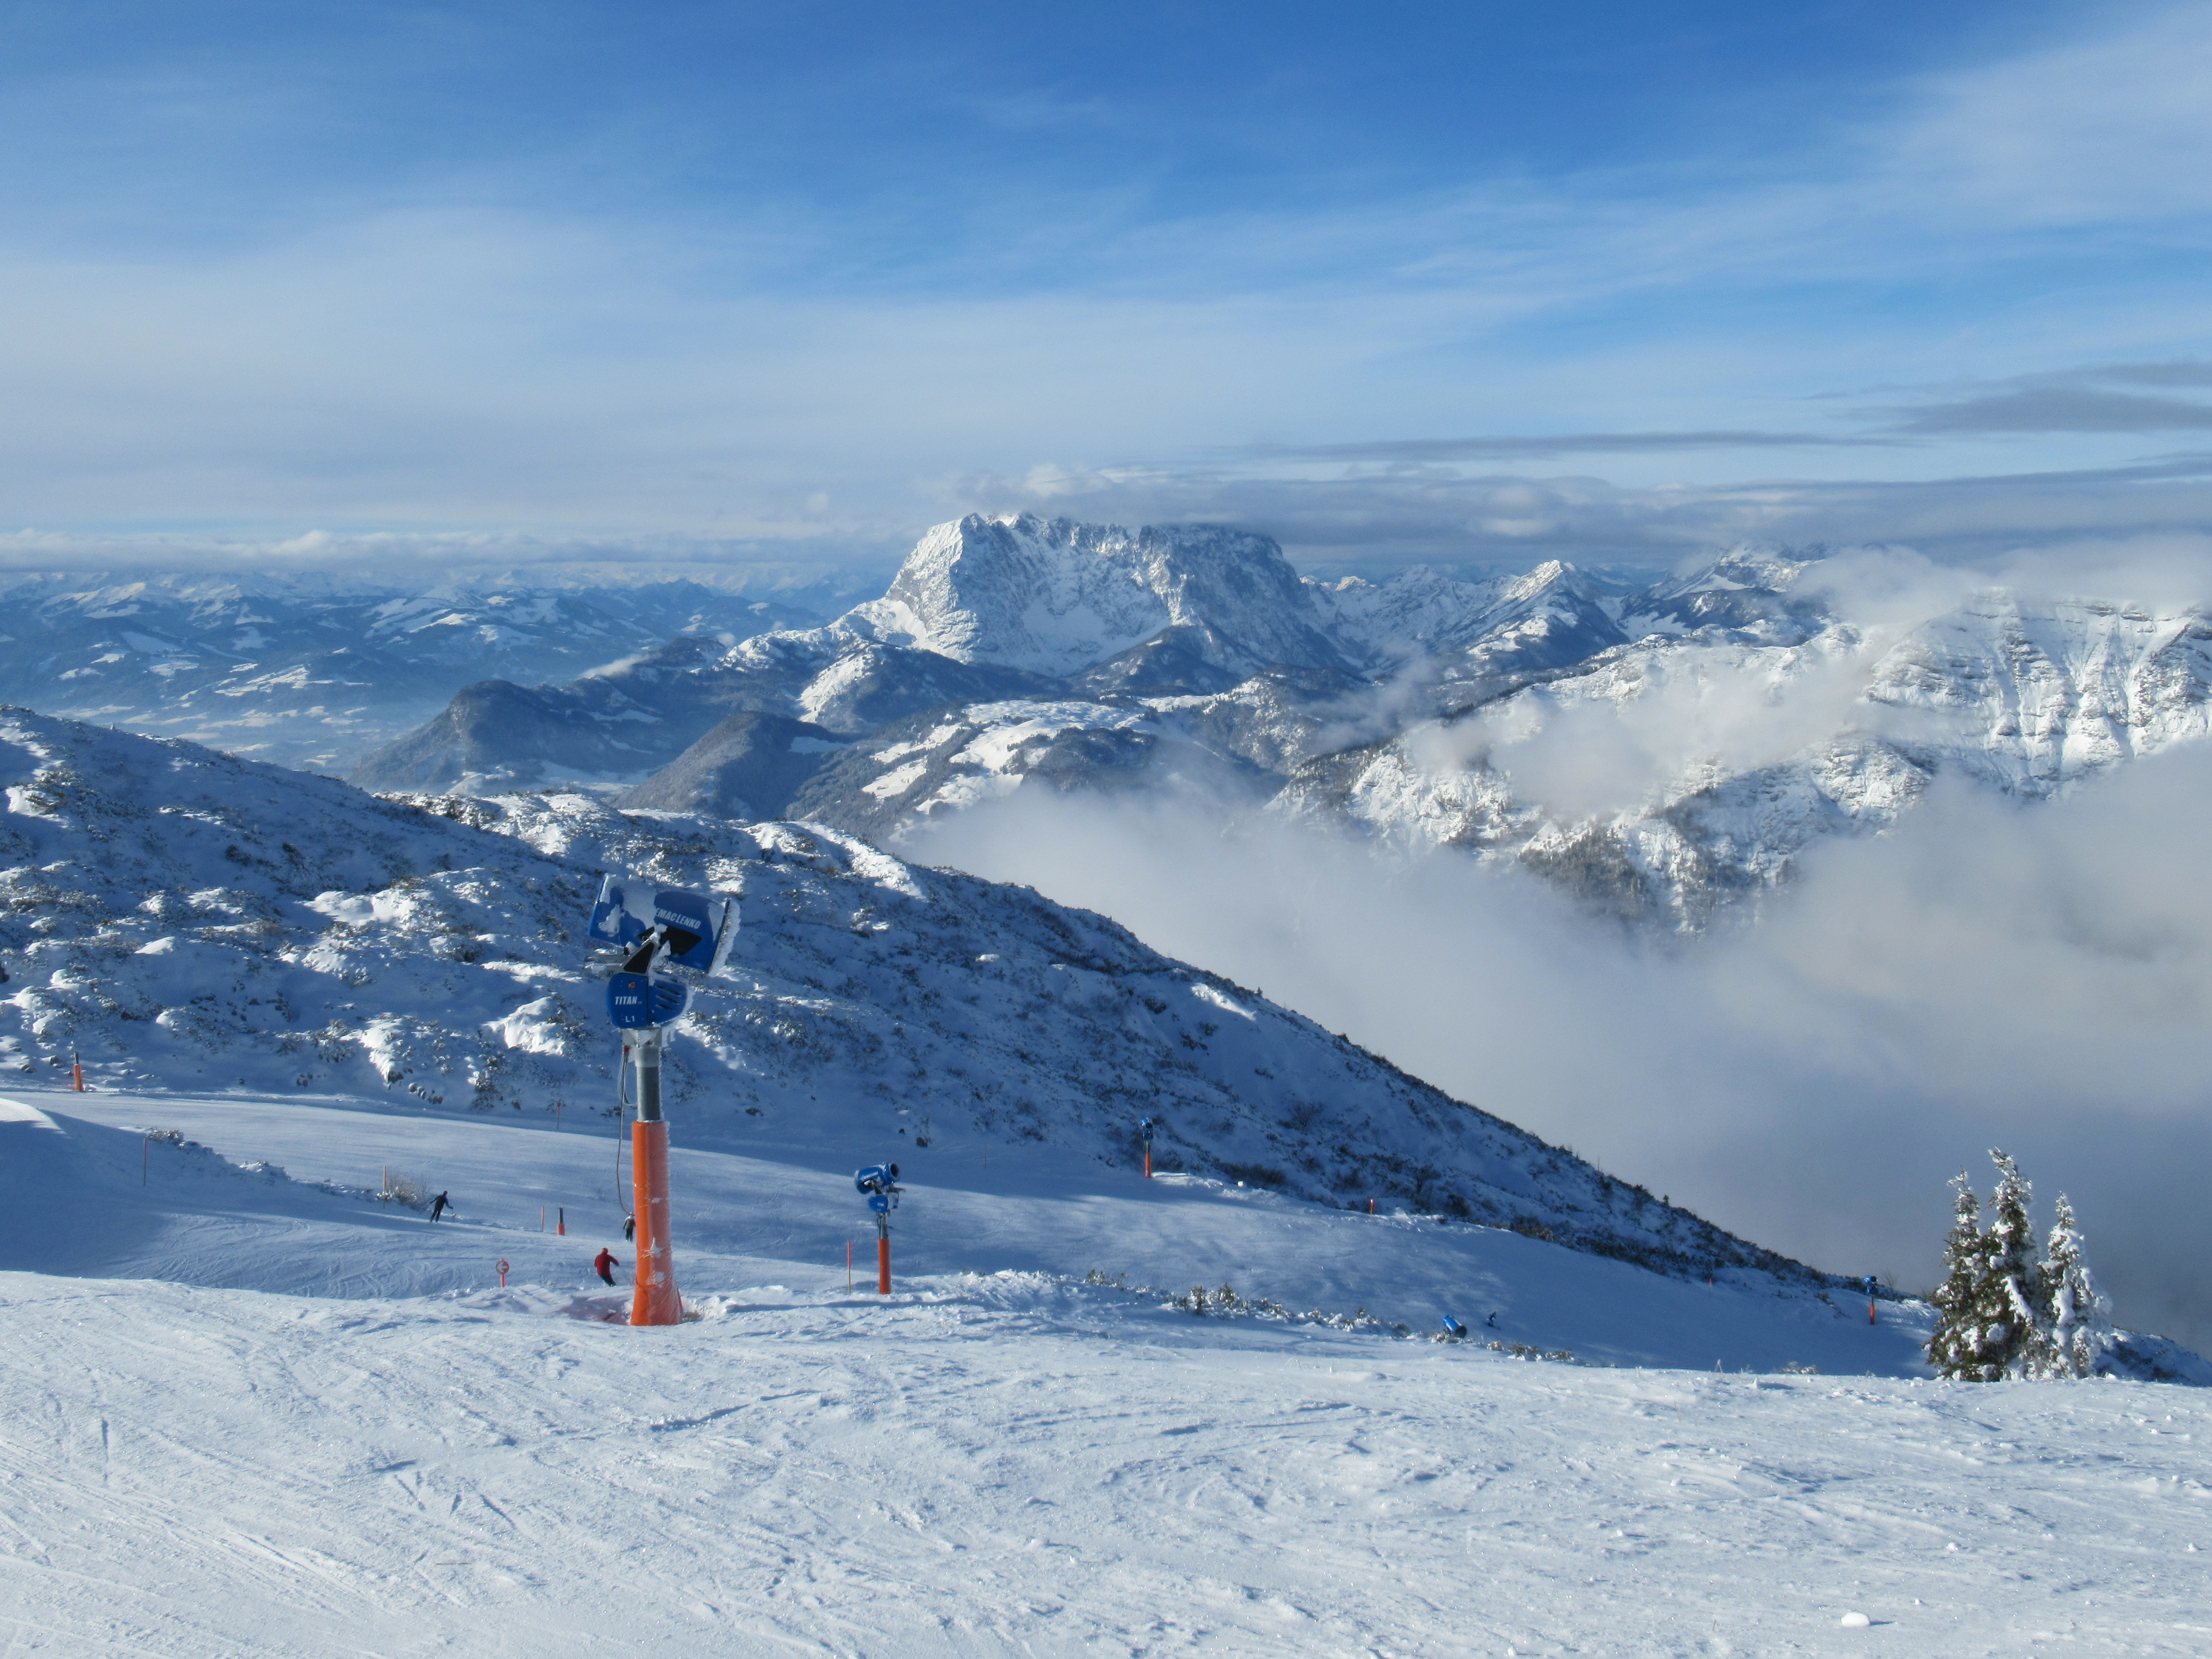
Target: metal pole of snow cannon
[(1869, 1284), (883, 1256), (1145, 1130), (655, 1301), (76, 1071), (560, 1220)]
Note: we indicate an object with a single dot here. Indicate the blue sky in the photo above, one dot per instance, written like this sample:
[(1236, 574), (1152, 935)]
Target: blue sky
[(1470, 281)]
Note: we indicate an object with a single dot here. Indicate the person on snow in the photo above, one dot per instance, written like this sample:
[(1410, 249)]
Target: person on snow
[(629, 1227), (437, 1206), (604, 1264)]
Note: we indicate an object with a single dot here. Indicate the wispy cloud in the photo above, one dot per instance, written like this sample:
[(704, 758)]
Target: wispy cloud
[(1414, 449), (2076, 400), (1600, 359), (1442, 513)]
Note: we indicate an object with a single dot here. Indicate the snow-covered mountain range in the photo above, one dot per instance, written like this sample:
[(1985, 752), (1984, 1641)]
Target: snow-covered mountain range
[(1661, 748), (314, 671)]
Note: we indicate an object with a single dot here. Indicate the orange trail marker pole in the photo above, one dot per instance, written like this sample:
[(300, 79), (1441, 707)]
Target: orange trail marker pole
[(655, 1301)]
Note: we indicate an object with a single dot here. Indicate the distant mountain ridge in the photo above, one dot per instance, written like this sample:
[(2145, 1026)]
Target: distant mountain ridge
[(1016, 652), (313, 671)]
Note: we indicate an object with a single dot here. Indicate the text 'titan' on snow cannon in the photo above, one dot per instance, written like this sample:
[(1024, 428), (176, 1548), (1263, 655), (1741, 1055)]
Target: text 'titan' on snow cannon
[(879, 1182), (660, 928)]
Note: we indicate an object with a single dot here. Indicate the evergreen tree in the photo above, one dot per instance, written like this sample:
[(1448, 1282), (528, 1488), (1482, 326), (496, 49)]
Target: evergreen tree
[(2011, 1302), (1955, 1347), (2078, 1329)]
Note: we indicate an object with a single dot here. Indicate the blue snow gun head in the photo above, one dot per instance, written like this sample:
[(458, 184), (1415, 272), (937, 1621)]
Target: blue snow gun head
[(695, 930), (634, 1001), (1453, 1329), (877, 1179), (1146, 1128)]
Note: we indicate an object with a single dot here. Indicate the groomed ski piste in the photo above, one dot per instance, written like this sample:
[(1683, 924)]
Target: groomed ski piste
[(248, 1406)]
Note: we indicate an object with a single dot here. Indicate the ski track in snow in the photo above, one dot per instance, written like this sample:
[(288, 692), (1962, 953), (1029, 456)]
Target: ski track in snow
[(1002, 1461), (1001, 1465)]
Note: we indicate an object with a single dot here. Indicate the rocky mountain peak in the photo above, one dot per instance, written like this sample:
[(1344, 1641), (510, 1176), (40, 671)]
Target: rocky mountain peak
[(1057, 596)]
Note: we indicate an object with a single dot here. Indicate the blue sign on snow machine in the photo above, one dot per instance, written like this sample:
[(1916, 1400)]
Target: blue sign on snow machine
[(635, 1001)]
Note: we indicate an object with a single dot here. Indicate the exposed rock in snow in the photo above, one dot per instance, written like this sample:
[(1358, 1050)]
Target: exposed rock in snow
[(1058, 598)]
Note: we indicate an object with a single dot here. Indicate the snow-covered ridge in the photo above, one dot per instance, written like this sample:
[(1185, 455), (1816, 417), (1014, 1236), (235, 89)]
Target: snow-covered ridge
[(1742, 754), (185, 920)]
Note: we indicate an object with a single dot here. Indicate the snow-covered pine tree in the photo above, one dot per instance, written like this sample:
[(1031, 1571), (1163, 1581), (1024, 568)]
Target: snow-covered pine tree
[(2011, 1305), (2078, 1329), (1954, 1348)]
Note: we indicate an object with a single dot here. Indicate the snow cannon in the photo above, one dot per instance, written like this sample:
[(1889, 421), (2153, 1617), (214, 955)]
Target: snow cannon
[(876, 1178), (879, 1183), (692, 930), (1145, 1130), (1453, 1331), (658, 929)]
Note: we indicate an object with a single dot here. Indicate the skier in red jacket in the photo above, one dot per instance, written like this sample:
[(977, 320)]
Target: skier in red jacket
[(604, 1264)]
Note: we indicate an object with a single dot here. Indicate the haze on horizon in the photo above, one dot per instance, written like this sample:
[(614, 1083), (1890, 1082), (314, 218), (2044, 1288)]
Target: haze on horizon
[(1466, 283)]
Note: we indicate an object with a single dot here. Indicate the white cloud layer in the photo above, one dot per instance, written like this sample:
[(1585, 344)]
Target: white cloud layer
[(2037, 980)]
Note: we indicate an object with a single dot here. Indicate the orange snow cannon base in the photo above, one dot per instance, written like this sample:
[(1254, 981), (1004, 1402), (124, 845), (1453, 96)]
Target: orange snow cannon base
[(655, 1301)]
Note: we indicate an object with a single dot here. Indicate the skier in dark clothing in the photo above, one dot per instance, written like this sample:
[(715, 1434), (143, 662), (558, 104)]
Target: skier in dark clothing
[(629, 1227), (604, 1264), (437, 1206)]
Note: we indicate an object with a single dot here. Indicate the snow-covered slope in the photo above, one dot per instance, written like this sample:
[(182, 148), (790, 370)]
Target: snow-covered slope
[(186, 920), (1010, 1466), (268, 1432)]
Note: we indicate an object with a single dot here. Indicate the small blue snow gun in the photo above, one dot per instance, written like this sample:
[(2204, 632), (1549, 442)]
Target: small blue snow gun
[(1453, 1331), (876, 1178)]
